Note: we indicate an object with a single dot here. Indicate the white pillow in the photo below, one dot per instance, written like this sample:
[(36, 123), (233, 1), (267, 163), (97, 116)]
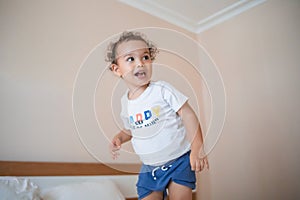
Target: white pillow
[(18, 189), (105, 190)]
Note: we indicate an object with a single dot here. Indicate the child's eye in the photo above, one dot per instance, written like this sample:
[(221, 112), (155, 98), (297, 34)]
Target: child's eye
[(146, 57), (130, 59)]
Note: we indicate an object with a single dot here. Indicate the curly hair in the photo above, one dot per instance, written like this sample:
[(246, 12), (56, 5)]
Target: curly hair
[(125, 37)]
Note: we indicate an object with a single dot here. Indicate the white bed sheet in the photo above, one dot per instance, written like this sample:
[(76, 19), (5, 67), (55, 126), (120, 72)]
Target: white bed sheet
[(52, 186), (125, 183)]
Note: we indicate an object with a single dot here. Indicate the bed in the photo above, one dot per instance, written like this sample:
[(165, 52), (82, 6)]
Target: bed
[(50, 180), (64, 181)]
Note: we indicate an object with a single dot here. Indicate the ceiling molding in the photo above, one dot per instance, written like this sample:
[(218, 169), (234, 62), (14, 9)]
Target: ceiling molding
[(155, 9)]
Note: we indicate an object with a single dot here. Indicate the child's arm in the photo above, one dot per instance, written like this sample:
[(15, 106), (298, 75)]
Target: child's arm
[(122, 137), (198, 158)]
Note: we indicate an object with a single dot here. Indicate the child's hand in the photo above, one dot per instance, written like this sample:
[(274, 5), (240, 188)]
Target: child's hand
[(115, 146), (198, 164)]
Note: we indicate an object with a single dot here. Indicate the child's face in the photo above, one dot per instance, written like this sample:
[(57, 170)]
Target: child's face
[(134, 63)]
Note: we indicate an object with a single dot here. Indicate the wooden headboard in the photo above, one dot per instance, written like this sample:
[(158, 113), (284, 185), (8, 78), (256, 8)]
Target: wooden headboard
[(16, 168)]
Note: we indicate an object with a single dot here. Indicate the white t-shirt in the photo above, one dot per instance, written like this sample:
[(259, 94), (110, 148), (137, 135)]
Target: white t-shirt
[(158, 134)]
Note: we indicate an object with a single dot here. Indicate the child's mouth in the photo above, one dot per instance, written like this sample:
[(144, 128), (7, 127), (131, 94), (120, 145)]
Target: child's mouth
[(140, 74)]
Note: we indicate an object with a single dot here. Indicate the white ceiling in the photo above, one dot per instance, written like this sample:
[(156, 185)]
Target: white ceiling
[(194, 15)]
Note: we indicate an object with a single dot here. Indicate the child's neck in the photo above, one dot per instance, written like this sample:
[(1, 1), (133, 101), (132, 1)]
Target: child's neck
[(137, 91)]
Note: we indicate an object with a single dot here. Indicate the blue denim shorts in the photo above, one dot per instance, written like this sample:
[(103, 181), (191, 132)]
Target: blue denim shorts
[(157, 178)]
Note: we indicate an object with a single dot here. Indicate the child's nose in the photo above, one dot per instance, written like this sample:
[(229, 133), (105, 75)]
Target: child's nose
[(139, 63)]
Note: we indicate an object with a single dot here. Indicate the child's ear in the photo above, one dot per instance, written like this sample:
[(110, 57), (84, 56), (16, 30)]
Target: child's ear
[(116, 69)]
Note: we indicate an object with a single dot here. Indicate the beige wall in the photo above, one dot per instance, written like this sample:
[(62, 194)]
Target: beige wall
[(257, 156), (43, 44)]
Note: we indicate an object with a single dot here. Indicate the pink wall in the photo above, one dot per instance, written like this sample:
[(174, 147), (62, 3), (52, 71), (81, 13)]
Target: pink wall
[(257, 156), (43, 44)]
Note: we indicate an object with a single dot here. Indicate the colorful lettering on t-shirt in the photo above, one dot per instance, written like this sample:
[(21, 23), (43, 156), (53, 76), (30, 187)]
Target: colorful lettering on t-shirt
[(138, 119)]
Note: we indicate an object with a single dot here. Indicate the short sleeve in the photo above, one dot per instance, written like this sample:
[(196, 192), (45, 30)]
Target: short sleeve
[(172, 96)]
